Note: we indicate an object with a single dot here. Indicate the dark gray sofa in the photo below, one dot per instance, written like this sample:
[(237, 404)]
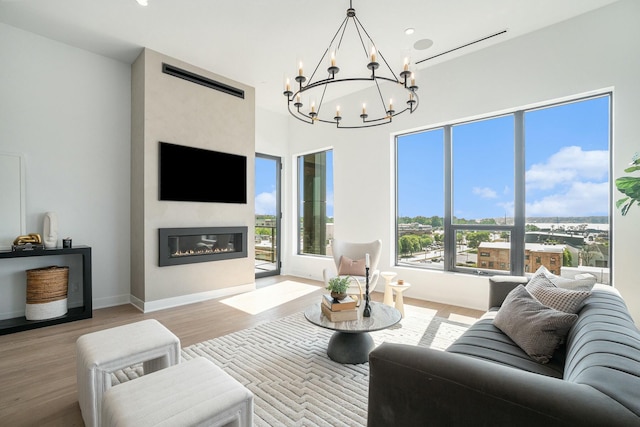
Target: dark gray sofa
[(485, 379)]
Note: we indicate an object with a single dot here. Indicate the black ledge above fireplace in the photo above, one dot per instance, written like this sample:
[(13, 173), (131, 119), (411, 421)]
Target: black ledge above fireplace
[(201, 244)]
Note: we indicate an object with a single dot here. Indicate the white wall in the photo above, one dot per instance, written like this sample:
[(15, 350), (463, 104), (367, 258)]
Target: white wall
[(68, 112), (595, 51)]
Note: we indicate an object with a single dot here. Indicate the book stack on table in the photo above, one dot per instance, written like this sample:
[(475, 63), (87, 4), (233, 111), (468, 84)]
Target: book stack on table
[(339, 311)]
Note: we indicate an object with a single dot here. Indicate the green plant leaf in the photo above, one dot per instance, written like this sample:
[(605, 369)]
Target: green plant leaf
[(620, 202), (632, 169), (629, 186)]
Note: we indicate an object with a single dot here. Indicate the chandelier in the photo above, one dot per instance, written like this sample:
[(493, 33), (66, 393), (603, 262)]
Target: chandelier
[(307, 96)]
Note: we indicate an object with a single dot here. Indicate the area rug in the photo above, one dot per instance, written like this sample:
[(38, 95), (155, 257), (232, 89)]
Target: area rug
[(285, 364)]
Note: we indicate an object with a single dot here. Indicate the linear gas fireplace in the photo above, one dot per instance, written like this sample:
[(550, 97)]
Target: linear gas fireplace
[(201, 244)]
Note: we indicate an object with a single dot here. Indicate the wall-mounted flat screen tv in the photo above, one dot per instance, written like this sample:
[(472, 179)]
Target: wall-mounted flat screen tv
[(189, 174)]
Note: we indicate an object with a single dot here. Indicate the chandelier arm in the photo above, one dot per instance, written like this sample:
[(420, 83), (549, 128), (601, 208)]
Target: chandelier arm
[(372, 42), (316, 69), (298, 115), (380, 93), (357, 22), (343, 24), (344, 29), (389, 67), (322, 97)]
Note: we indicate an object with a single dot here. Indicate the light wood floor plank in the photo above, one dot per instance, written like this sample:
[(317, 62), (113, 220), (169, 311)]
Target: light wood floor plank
[(37, 367)]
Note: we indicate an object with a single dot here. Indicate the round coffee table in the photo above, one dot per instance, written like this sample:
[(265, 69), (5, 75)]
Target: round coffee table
[(351, 342)]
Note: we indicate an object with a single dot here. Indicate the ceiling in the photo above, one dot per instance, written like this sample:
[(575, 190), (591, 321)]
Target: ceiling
[(259, 42)]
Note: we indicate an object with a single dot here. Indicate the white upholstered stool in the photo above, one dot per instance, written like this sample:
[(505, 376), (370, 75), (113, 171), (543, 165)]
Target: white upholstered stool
[(103, 352), (193, 393)]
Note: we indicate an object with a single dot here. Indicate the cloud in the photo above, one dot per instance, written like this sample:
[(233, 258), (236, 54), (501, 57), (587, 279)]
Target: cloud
[(266, 203), (568, 164), (580, 199), (485, 192)]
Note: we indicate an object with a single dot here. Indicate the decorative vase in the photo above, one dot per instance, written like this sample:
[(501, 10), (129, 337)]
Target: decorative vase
[(338, 296), (50, 226)]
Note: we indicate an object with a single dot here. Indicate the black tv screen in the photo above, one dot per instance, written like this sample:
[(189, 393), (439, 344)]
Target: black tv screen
[(189, 174)]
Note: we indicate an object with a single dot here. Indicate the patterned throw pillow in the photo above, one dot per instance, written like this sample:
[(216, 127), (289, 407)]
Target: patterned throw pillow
[(580, 282), (535, 328), (349, 267), (557, 298)]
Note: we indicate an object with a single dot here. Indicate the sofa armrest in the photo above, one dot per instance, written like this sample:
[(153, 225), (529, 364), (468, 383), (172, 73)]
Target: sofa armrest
[(412, 386), (500, 286)]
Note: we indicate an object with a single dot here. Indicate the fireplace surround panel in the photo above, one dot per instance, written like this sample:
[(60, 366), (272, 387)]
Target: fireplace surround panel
[(201, 244)]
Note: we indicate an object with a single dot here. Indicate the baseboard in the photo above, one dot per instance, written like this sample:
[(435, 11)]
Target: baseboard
[(110, 301), (150, 306)]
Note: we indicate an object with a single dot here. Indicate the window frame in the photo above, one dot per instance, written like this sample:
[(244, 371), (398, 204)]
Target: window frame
[(300, 193), (517, 230)]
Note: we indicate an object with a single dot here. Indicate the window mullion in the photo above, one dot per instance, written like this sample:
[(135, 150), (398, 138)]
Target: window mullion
[(449, 233), (517, 242)]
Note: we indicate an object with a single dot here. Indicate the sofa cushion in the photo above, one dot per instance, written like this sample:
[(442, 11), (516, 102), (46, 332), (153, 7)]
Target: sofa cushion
[(536, 328), (484, 341), (561, 299)]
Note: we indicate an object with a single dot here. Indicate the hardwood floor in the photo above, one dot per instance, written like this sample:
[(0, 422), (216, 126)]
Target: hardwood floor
[(37, 367)]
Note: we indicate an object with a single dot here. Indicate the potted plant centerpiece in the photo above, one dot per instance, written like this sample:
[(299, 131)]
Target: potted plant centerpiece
[(338, 287)]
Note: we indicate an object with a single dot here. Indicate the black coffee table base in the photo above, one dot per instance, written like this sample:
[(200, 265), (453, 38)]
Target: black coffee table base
[(350, 348)]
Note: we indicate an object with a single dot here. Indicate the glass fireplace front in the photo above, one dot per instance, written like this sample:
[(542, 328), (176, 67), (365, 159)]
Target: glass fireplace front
[(201, 244)]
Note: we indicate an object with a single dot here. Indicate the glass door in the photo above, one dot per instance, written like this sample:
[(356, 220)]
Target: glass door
[(267, 215)]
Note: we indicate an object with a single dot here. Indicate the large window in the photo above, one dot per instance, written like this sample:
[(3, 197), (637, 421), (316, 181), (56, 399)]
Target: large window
[(315, 202), (509, 193)]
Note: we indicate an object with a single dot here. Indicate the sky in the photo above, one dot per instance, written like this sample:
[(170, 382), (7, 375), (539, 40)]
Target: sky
[(265, 186), (566, 161)]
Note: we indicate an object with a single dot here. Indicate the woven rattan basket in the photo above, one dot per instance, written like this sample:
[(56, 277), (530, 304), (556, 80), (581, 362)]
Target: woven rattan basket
[(47, 292)]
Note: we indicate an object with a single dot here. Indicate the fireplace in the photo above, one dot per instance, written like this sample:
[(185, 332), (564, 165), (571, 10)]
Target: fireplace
[(201, 244)]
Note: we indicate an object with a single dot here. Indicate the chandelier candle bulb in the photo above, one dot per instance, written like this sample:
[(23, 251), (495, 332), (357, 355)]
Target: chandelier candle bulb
[(406, 64), (333, 59), (366, 261), (364, 108), (300, 69), (373, 54), (413, 79)]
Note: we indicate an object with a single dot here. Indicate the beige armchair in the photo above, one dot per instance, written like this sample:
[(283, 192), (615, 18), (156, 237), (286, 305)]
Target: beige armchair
[(349, 259)]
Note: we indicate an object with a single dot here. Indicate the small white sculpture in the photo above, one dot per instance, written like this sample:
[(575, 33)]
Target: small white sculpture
[(50, 234)]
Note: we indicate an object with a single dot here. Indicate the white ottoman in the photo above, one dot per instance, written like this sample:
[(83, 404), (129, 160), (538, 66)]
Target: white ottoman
[(193, 393), (103, 352)]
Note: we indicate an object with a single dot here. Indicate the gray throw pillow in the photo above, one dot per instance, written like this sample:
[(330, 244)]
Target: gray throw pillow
[(558, 298), (534, 327)]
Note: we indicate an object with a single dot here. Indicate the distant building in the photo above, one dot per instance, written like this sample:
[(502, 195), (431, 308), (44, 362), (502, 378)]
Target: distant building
[(414, 228), (495, 256), (576, 239)]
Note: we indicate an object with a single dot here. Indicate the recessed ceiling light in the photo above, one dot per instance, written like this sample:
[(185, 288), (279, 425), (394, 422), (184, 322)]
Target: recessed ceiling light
[(409, 31), (423, 44), (142, 2)]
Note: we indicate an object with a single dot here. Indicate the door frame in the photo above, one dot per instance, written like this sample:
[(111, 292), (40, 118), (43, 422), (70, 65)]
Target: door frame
[(278, 260)]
